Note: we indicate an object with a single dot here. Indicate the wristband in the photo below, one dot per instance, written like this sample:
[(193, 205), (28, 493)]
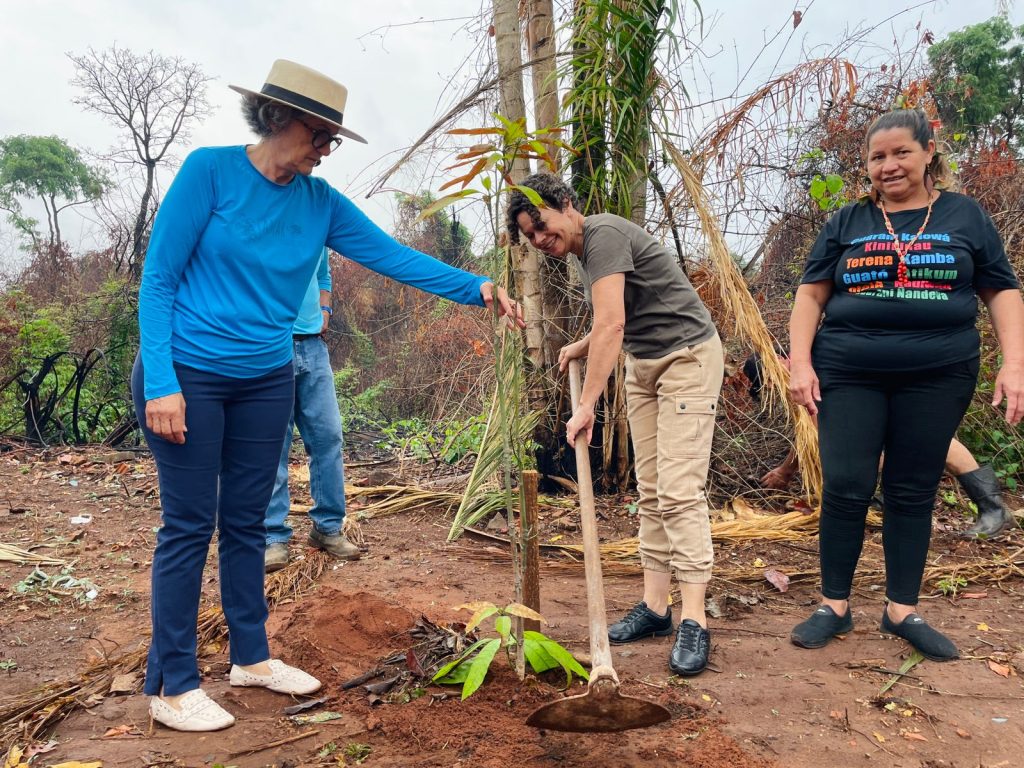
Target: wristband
[(328, 310)]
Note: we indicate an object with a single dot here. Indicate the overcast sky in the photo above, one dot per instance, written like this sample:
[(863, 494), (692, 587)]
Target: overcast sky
[(399, 72)]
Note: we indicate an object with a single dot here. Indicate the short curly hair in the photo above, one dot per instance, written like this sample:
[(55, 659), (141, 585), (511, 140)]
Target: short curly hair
[(266, 117), (552, 190)]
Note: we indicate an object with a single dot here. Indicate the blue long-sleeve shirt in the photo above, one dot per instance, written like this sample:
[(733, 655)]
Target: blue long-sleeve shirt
[(231, 256), (311, 319)]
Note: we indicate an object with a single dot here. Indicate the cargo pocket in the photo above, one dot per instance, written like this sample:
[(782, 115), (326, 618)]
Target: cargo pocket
[(691, 426)]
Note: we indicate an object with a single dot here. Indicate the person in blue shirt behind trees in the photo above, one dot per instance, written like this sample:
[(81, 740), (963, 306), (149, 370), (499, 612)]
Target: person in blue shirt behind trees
[(316, 415), (233, 249)]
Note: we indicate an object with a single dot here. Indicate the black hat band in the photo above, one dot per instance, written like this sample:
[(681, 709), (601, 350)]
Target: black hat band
[(302, 102)]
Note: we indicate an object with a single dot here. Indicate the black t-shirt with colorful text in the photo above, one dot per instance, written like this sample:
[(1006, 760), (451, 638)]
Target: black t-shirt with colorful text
[(874, 321)]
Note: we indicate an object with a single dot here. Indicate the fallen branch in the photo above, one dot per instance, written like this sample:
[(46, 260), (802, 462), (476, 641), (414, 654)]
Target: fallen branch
[(272, 744)]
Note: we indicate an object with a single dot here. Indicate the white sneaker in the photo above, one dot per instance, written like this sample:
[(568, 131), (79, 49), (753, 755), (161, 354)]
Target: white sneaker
[(198, 713), (282, 678)]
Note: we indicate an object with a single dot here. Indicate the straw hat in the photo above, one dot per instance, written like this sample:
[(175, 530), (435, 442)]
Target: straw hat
[(305, 89)]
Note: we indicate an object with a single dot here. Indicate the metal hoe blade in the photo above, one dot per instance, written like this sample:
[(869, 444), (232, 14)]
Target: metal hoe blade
[(602, 708)]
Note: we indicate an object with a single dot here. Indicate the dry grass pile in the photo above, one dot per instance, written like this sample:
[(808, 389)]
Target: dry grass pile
[(620, 558), (12, 554)]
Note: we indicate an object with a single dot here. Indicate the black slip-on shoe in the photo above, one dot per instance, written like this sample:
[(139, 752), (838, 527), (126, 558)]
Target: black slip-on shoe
[(691, 649), (925, 638), (821, 627), (639, 623)]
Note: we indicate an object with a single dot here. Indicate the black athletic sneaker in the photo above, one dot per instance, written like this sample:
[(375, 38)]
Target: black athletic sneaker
[(691, 649), (639, 623), (821, 627), (929, 641)]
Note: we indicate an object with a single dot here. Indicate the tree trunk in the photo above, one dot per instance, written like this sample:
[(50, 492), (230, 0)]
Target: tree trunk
[(554, 280), (525, 260), (51, 215), (507, 41), (540, 42), (512, 105), (140, 223), (588, 135), (630, 147)]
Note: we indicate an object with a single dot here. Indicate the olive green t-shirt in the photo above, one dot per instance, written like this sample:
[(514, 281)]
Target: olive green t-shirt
[(663, 312)]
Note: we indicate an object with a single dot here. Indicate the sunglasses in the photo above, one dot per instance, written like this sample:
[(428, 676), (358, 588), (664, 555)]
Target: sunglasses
[(321, 138)]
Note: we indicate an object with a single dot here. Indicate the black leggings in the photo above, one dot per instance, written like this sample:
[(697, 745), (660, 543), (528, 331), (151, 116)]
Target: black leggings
[(912, 416)]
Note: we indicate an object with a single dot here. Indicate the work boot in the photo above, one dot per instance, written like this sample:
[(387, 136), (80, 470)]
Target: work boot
[(275, 557), (982, 488), (335, 545)]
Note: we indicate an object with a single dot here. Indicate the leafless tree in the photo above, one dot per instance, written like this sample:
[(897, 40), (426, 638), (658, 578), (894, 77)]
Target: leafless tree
[(155, 100)]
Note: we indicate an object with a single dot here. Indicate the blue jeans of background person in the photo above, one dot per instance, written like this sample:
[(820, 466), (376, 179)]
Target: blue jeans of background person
[(221, 477), (912, 416), (316, 415)]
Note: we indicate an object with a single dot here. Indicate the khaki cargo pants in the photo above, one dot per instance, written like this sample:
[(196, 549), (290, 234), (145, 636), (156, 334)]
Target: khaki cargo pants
[(671, 402)]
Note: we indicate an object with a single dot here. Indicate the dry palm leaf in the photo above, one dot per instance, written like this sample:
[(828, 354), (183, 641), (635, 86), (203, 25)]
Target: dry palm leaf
[(748, 323), (12, 554)]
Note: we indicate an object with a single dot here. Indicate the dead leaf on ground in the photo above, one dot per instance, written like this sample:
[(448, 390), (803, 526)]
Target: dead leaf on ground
[(13, 757), (744, 509), (983, 627), (124, 683), (962, 733), (1000, 669), (413, 663), (40, 749), (878, 737), (121, 730), (319, 717), (777, 579), (913, 736), (294, 709)]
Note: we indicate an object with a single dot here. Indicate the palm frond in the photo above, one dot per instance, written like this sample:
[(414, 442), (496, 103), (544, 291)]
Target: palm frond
[(747, 322)]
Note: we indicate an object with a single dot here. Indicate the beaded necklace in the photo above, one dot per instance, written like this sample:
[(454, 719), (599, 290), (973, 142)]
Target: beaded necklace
[(902, 251)]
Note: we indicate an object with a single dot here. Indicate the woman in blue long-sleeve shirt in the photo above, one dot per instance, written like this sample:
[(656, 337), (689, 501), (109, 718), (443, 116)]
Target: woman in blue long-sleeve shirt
[(234, 246)]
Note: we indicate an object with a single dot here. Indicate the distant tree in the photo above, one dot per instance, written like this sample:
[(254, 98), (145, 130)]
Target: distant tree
[(155, 100), (978, 80), (440, 235), (46, 169)]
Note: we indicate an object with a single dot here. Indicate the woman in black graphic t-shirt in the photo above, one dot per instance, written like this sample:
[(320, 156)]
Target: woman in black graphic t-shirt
[(894, 364)]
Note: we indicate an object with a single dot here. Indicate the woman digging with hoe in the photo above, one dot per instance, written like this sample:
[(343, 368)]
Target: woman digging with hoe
[(642, 302)]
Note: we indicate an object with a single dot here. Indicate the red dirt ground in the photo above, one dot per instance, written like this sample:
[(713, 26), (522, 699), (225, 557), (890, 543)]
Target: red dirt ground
[(767, 704)]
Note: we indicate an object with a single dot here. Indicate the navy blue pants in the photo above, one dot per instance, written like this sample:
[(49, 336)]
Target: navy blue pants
[(912, 416), (221, 477)]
